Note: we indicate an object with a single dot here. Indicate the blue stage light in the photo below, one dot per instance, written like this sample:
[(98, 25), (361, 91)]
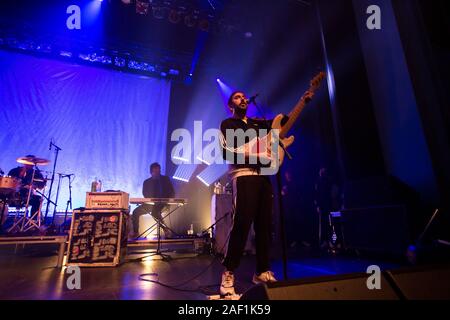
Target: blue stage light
[(65, 54), (119, 62)]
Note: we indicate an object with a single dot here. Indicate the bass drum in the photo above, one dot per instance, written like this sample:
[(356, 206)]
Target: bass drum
[(3, 212)]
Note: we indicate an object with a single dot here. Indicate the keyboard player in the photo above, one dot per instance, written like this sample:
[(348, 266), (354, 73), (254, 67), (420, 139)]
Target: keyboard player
[(157, 186)]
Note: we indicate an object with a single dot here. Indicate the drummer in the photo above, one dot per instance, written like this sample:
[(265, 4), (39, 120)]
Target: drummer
[(24, 174)]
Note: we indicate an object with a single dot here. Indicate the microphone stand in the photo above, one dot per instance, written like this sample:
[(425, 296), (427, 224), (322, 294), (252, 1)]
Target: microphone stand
[(280, 203), (57, 149), (69, 202), (60, 176)]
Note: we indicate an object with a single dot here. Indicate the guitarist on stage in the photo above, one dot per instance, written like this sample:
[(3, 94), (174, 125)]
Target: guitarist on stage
[(252, 193)]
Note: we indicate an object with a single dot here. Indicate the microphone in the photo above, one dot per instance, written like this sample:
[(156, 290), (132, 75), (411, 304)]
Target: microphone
[(50, 145), (253, 98)]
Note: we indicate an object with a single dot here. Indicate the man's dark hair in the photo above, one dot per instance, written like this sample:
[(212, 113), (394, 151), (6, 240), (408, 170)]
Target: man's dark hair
[(154, 165), (230, 99)]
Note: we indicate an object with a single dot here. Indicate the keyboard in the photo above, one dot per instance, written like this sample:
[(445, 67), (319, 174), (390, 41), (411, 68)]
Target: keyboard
[(168, 201)]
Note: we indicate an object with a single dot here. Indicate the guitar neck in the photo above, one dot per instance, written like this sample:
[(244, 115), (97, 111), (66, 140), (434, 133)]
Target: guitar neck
[(295, 113), (293, 116)]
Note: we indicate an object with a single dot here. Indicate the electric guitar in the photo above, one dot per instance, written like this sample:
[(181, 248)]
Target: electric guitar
[(280, 131)]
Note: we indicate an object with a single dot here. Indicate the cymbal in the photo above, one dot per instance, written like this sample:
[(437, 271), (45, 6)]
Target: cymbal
[(31, 161)]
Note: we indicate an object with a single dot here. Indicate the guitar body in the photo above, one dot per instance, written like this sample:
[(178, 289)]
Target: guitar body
[(287, 142)]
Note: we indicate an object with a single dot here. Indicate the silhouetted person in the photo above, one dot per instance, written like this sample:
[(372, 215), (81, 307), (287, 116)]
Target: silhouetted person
[(158, 186), (24, 174)]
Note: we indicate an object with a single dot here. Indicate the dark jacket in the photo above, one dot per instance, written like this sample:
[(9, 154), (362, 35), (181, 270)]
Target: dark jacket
[(158, 188), (235, 124), (26, 179)]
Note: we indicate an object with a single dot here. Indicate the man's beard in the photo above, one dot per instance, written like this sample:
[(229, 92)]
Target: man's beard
[(240, 112)]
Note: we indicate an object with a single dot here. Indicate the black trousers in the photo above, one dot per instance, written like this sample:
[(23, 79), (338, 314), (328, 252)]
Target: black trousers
[(145, 209), (253, 199)]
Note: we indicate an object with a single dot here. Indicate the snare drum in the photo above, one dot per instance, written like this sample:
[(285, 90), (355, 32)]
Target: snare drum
[(9, 185)]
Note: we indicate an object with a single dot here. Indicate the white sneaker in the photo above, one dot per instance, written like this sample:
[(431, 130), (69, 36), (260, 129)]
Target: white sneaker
[(264, 277), (227, 285)]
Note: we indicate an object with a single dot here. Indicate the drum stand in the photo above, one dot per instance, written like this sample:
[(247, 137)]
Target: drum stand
[(25, 221)]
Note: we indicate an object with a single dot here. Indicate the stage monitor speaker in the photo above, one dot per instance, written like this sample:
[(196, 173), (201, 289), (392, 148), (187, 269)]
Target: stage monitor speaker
[(422, 283), (341, 287)]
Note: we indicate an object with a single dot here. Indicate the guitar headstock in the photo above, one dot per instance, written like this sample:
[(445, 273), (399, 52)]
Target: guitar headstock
[(317, 80)]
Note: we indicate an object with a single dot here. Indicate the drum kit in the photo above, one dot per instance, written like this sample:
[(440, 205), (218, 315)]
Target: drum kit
[(11, 195)]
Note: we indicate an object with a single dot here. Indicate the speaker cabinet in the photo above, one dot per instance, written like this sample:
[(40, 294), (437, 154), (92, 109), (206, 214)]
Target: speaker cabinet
[(423, 283), (418, 283), (342, 287)]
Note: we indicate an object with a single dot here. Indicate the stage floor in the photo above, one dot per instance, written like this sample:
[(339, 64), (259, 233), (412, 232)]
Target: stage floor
[(30, 274)]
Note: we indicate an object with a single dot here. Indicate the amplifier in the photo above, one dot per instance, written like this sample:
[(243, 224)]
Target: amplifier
[(107, 200)]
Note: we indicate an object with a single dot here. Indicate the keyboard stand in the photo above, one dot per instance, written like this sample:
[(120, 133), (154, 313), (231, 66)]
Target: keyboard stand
[(159, 252), (158, 225)]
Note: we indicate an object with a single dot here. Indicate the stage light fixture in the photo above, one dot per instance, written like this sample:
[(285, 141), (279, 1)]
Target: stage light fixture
[(190, 20), (142, 7), (181, 159), (204, 25), (159, 12), (184, 172), (212, 173), (137, 65), (64, 53), (199, 158), (174, 16), (203, 181), (119, 62)]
